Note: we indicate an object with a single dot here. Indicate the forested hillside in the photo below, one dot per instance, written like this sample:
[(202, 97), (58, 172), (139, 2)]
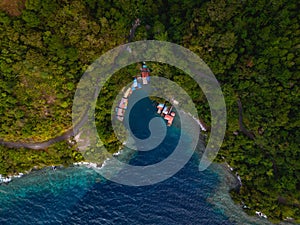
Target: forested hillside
[(251, 46)]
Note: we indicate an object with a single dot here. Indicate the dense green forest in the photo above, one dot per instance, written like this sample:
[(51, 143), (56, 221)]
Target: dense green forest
[(251, 46)]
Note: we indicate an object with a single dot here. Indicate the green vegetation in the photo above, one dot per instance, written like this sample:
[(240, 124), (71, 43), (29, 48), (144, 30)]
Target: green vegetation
[(20, 160), (251, 46)]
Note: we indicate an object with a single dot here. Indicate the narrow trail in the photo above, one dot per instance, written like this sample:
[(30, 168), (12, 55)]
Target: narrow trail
[(70, 132), (241, 125)]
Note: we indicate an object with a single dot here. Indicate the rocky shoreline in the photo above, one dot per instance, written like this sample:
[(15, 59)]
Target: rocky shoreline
[(222, 199)]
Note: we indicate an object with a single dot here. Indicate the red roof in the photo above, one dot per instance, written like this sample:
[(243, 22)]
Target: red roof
[(145, 74), (169, 118)]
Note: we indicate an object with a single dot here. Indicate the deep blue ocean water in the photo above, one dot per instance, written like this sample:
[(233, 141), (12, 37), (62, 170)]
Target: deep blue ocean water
[(78, 195)]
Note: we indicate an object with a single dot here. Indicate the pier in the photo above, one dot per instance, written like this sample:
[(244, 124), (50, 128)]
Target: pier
[(166, 112), (143, 78)]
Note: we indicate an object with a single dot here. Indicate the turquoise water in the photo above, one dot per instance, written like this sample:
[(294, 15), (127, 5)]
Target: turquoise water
[(78, 195)]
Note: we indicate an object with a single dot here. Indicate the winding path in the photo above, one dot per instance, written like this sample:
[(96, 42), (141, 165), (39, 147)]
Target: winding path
[(241, 125), (69, 133)]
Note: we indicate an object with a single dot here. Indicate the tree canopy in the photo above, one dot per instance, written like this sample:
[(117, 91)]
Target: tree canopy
[(252, 47)]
